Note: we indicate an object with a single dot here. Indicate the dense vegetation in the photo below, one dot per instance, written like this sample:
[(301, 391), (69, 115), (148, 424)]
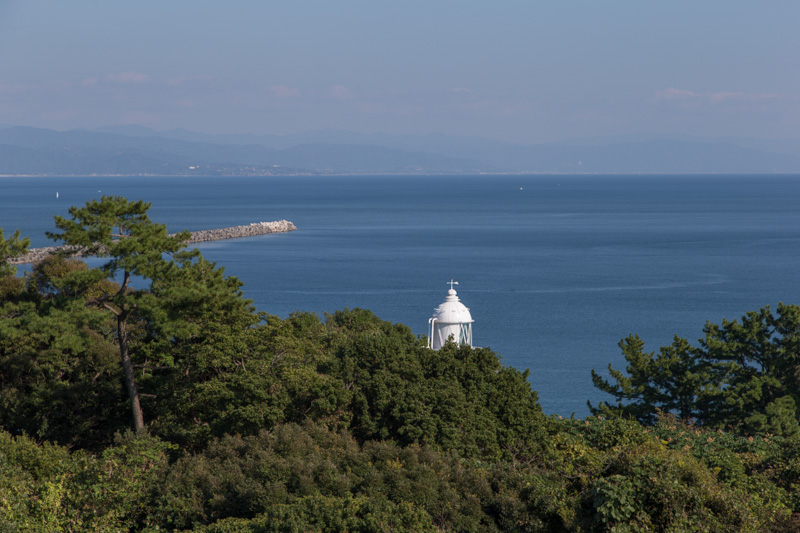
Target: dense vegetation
[(147, 395)]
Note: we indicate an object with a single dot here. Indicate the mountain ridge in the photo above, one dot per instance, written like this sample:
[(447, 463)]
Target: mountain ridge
[(134, 149)]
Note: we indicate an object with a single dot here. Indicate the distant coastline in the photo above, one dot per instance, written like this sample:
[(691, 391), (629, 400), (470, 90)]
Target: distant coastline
[(142, 152), (401, 174)]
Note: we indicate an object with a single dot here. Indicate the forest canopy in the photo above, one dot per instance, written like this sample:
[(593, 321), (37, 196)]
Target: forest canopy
[(148, 394)]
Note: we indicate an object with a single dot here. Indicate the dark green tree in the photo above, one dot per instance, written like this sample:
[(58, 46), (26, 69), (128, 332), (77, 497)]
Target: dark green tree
[(755, 364), (120, 230), (745, 374), (456, 398), (180, 327), (11, 248), (58, 376), (240, 380), (667, 381), (10, 285)]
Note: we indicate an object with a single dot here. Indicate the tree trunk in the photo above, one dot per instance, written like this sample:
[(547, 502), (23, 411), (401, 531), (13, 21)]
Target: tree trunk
[(130, 378)]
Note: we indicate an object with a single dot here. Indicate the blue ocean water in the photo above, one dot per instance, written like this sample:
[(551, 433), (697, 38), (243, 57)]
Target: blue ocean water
[(555, 269)]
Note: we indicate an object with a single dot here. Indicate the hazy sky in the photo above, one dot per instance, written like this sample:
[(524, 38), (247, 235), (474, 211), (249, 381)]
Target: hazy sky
[(526, 71)]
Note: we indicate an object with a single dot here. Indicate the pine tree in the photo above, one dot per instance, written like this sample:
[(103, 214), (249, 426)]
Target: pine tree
[(120, 230), (667, 381), (11, 248), (744, 375)]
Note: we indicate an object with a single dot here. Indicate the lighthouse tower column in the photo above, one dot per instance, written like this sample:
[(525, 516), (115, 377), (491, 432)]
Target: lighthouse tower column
[(450, 320)]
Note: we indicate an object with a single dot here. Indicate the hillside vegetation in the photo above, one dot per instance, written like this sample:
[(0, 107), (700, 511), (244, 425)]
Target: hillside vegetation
[(147, 395)]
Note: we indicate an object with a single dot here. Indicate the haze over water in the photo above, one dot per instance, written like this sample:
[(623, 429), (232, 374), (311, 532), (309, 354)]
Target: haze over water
[(555, 269)]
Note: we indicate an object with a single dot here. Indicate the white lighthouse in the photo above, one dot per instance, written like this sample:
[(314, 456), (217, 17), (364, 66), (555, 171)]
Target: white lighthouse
[(451, 318)]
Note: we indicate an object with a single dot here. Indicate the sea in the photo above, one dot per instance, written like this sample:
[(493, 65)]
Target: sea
[(555, 269)]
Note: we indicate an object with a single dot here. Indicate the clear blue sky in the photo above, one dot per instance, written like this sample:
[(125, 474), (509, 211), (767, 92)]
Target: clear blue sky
[(526, 71)]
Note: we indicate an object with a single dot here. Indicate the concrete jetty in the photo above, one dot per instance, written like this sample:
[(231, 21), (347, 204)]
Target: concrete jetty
[(35, 255)]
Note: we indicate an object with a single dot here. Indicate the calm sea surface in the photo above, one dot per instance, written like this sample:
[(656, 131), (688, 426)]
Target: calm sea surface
[(555, 269)]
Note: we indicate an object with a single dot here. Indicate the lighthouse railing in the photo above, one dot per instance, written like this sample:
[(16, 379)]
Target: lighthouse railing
[(465, 334), (431, 328)]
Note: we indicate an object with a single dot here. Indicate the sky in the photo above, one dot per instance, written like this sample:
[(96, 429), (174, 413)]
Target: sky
[(526, 71)]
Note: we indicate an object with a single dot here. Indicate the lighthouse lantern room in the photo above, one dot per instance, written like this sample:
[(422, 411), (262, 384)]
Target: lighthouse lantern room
[(450, 319)]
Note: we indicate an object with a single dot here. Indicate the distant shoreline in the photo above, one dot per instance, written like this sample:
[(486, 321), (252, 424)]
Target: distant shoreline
[(379, 174)]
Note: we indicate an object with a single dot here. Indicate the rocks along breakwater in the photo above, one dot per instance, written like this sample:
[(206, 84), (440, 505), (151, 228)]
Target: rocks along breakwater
[(256, 228), (35, 255)]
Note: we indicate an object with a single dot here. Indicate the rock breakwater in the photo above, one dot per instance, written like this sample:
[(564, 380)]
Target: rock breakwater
[(35, 255), (256, 228)]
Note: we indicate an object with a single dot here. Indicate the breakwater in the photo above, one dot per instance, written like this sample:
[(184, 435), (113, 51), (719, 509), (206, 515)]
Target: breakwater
[(250, 230), (35, 255)]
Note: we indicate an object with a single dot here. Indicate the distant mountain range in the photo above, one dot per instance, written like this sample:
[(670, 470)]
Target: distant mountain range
[(136, 150)]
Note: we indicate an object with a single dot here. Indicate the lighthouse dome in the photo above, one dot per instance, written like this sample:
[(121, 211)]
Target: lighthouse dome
[(452, 311), (451, 320)]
